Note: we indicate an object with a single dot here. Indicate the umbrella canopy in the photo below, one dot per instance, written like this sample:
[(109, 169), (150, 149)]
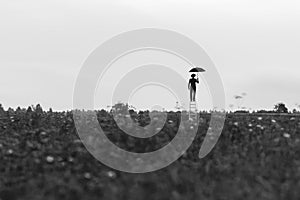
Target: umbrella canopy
[(197, 69)]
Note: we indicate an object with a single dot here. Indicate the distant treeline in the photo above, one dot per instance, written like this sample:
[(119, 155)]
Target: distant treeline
[(123, 107)]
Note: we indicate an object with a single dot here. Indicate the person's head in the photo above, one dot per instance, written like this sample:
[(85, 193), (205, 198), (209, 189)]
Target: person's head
[(193, 75)]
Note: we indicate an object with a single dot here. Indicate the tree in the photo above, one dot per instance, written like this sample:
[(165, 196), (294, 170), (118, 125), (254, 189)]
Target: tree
[(1, 109), (295, 110), (280, 108), (120, 108)]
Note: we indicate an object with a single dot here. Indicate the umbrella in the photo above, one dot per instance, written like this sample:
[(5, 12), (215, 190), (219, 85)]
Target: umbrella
[(197, 69)]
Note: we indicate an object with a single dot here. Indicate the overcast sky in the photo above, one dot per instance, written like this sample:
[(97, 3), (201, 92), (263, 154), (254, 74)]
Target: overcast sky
[(254, 44)]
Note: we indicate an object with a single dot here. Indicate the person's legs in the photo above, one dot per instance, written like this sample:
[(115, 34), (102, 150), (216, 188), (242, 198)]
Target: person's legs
[(194, 95)]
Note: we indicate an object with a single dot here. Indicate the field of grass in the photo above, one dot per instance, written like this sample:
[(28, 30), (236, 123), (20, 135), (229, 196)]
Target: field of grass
[(257, 157)]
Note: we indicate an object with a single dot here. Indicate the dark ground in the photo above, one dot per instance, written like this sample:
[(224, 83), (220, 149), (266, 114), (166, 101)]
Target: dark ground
[(257, 157)]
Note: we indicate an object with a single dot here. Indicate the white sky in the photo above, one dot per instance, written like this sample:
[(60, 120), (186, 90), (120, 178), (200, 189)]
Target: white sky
[(254, 44)]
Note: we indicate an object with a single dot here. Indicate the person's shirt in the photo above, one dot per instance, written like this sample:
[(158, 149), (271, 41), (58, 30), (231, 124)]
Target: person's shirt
[(193, 82)]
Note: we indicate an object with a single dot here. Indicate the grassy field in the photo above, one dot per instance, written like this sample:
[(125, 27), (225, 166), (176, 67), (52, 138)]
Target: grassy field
[(257, 157)]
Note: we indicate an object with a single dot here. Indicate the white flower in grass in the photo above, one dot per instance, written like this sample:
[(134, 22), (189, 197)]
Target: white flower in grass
[(50, 159), (43, 133), (259, 118), (87, 175), (111, 174), (260, 126), (236, 123), (273, 120), (10, 151), (71, 159), (286, 135)]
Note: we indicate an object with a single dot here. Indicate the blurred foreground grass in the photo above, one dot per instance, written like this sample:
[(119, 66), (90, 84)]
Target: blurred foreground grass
[(256, 157)]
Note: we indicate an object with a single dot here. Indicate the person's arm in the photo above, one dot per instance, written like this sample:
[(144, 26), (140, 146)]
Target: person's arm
[(189, 84)]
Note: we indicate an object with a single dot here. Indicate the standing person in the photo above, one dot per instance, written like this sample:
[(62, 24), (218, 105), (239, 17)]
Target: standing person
[(192, 87)]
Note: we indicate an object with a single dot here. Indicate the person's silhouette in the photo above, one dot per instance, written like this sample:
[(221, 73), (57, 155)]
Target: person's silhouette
[(192, 87)]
